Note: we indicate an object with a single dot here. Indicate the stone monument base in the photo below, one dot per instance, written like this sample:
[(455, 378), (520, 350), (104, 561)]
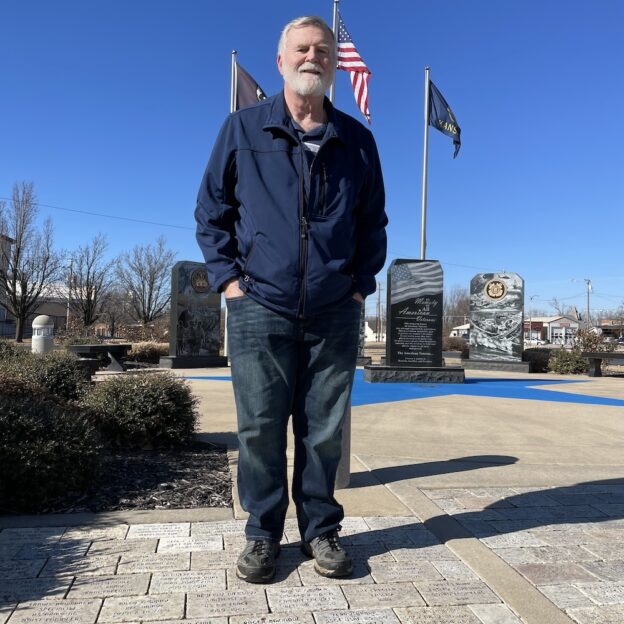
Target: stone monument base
[(414, 374), (363, 360), (513, 366), (192, 361)]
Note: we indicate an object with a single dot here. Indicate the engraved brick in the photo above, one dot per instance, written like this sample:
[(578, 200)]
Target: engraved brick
[(513, 540), (274, 618), (285, 576), (403, 571), (187, 581), (445, 593), (565, 596), (117, 532), (604, 592), (495, 614), (22, 536), (613, 614), (33, 589), (144, 608), (56, 549), (107, 586), (384, 595), (105, 564), (363, 616), (220, 527), (122, 547), (438, 552), (606, 570), (287, 599), (551, 573), (167, 529), (309, 576), (17, 569), (57, 612), (250, 601), (190, 544), (437, 615), (454, 571), (5, 611), (133, 563)]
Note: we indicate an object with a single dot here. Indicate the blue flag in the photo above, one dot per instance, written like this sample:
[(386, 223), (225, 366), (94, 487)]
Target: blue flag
[(441, 117)]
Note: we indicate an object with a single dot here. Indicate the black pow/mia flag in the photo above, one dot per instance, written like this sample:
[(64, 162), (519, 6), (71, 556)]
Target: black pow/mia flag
[(441, 117), (248, 91)]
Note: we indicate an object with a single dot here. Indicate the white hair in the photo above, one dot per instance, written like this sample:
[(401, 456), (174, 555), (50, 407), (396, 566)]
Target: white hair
[(300, 22)]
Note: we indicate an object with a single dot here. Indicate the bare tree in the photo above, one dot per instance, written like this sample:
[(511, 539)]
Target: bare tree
[(145, 274), (559, 306), (115, 310), (29, 264), (456, 308), (89, 280)]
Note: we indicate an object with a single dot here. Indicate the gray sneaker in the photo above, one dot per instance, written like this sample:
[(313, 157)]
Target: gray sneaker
[(256, 564), (330, 558)]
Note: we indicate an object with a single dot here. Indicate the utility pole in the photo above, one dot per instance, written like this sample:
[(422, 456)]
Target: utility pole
[(378, 313), (589, 289)]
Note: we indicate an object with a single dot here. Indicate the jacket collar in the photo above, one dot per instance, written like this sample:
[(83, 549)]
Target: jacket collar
[(278, 118)]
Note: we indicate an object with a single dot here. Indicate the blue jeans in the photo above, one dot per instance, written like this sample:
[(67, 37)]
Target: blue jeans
[(282, 366)]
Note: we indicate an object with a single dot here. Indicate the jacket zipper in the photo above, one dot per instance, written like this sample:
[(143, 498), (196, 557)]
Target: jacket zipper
[(303, 238)]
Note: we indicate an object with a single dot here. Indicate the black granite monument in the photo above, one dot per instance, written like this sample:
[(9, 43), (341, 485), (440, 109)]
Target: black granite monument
[(496, 316), (414, 326), (195, 319)]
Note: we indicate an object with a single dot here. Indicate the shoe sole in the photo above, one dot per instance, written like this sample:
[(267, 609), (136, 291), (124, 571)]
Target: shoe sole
[(319, 569)]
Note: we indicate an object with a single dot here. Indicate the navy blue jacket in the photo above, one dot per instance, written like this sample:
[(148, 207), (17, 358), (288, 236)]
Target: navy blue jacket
[(294, 254)]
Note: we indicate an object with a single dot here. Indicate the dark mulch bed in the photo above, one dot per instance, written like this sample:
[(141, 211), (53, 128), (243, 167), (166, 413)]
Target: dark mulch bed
[(194, 476)]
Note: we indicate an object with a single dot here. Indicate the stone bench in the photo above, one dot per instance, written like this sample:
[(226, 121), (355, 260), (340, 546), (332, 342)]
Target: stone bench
[(595, 360), (116, 353)]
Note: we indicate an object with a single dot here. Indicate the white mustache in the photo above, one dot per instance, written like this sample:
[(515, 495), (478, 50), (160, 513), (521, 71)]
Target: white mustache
[(308, 66)]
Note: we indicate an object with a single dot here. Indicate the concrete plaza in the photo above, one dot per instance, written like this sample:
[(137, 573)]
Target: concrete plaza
[(499, 501)]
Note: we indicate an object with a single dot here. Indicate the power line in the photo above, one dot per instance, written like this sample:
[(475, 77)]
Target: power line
[(108, 216)]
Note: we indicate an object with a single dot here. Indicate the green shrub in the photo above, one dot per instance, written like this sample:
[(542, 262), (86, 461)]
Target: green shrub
[(148, 352), (56, 372), (455, 343), (587, 340), (567, 362), (143, 411), (9, 349), (47, 447)]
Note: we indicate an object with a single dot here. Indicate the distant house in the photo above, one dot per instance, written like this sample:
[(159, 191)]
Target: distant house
[(555, 329), (461, 331)]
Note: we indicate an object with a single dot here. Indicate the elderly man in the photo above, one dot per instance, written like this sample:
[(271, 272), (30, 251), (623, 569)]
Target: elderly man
[(291, 222)]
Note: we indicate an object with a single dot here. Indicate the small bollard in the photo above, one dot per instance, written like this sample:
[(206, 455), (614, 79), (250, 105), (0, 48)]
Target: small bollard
[(43, 334)]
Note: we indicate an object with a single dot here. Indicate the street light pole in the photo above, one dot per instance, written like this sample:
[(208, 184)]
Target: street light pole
[(589, 289), (531, 297)]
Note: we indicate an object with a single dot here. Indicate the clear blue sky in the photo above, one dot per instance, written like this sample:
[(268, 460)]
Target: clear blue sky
[(112, 107)]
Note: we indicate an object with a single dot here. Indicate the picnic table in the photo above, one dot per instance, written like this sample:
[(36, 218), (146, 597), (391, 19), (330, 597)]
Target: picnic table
[(116, 353)]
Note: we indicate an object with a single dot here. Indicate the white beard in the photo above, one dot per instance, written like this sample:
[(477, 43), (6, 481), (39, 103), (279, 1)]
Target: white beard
[(304, 83)]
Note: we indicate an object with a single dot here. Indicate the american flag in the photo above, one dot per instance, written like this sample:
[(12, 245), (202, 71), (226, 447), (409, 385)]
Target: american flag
[(350, 60)]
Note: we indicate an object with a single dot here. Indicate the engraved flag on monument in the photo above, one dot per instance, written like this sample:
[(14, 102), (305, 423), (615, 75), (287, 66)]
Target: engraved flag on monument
[(415, 279)]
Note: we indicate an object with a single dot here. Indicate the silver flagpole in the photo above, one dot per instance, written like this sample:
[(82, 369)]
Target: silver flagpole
[(423, 225), (233, 84), (334, 27)]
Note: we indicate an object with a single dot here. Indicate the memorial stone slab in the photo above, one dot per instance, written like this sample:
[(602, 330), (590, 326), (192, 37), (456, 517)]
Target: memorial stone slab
[(613, 614), (232, 541), (445, 593), (361, 616), (285, 576), (438, 552), (437, 615), (382, 595), (190, 544), (606, 570), (414, 326), (604, 592), (390, 538), (186, 581), (214, 560), (550, 573), (57, 612), (289, 599), (566, 596), (122, 547), (310, 577), (219, 527), (89, 566), (18, 569), (167, 529), (495, 614), (38, 534), (118, 532), (57, 549), (274, 618), (12, 590), (496, 316), (250, 601), (6, 609), (195, 319), (133, 563), (404, 571), (108, 586), (144, 608), (454, 570)]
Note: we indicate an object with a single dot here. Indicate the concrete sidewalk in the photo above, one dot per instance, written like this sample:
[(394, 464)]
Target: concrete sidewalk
[(498, 502)]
